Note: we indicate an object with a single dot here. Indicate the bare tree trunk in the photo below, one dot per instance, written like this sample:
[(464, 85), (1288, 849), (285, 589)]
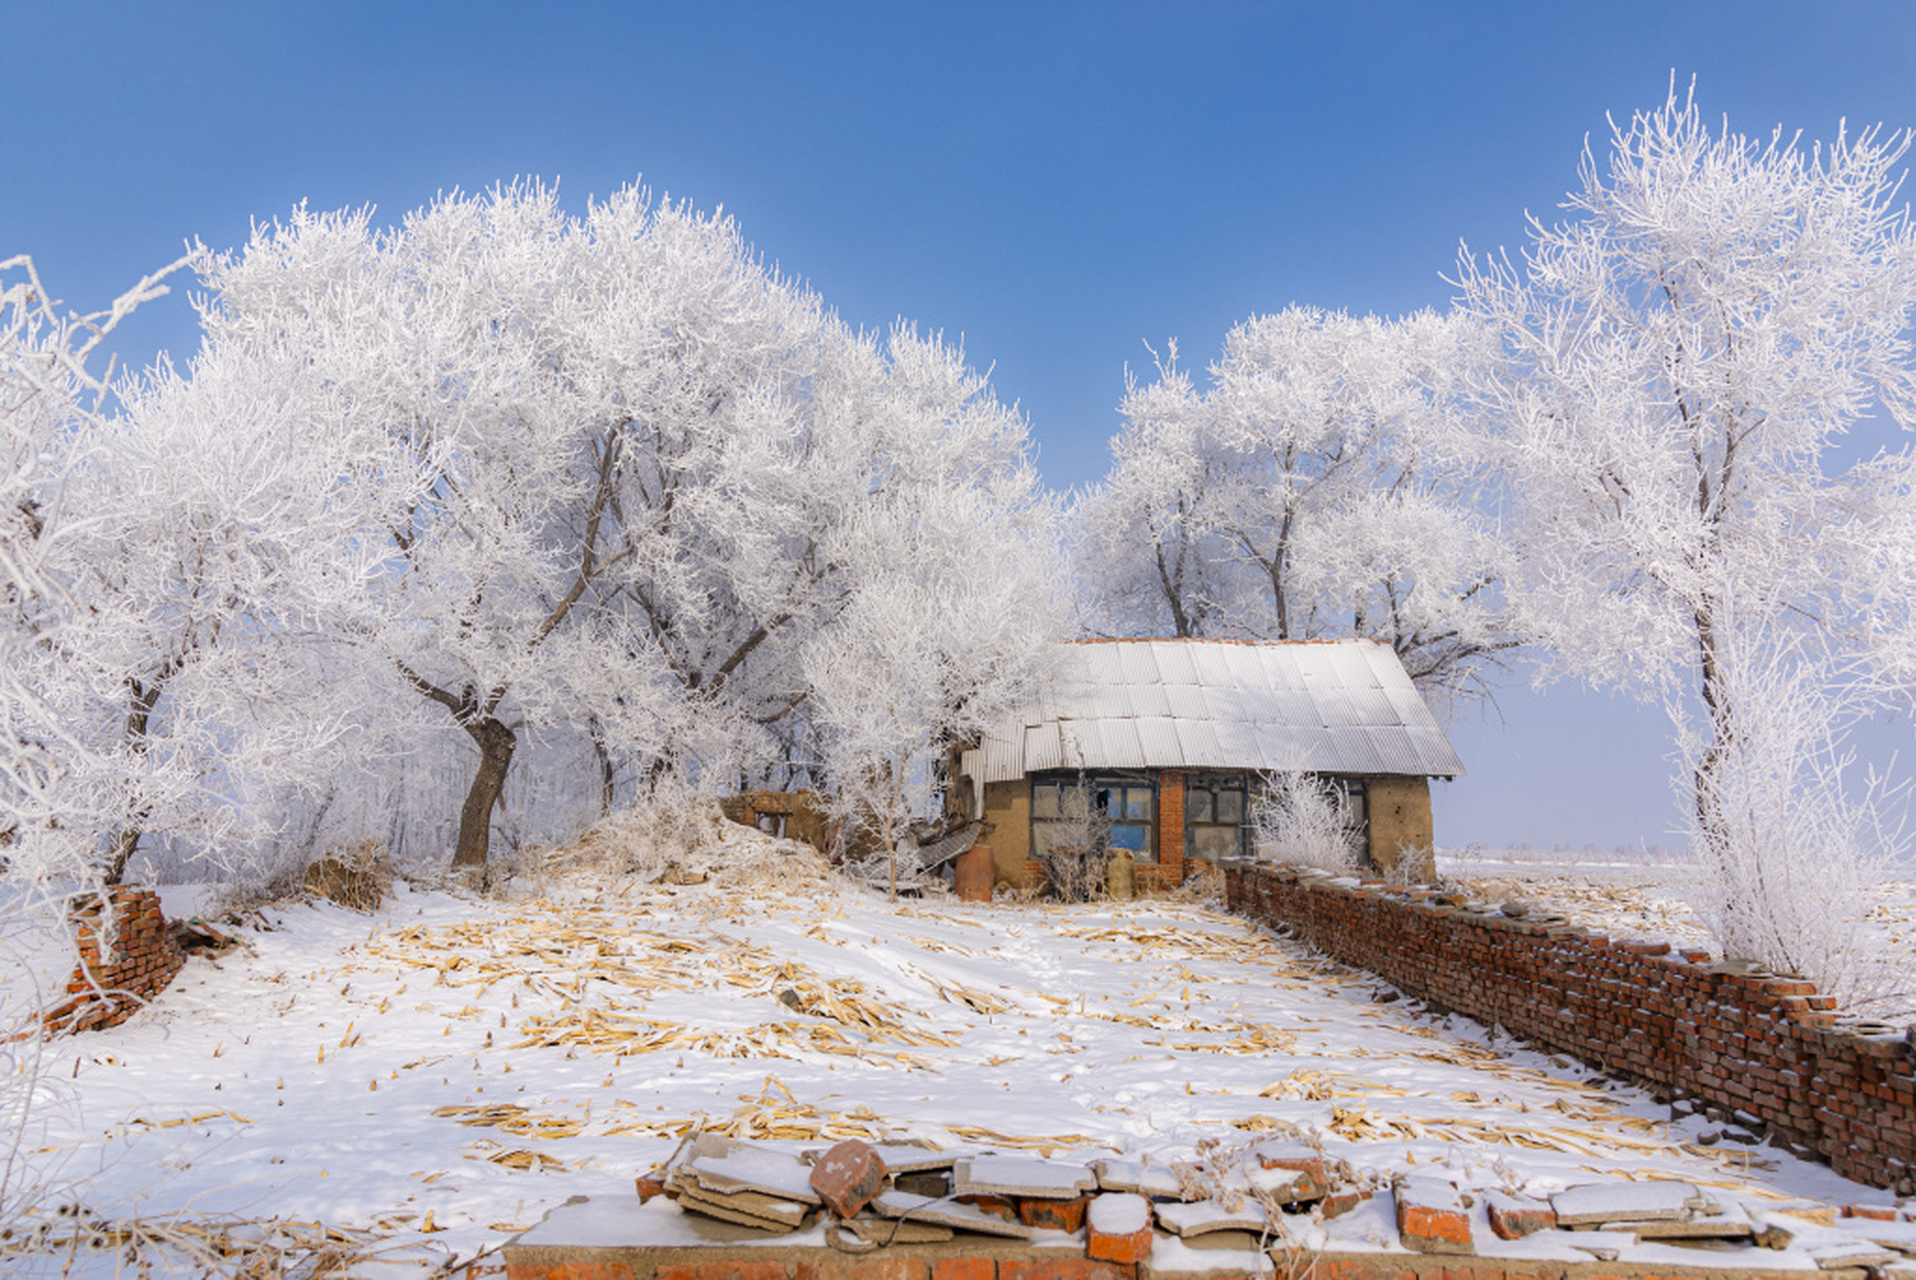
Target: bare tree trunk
[(596, 729), (496, 745), (139, 714)]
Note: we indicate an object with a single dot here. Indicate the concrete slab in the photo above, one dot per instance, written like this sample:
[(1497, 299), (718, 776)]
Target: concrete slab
[(1597, 1203), (1202, 1217), (1022, 1176), (949, 1213)]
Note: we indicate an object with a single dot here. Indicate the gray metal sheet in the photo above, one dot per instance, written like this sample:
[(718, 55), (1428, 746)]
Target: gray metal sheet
[(1149, 700), (1119, 746), (1044, 748), (1174, 662), (1138, 664), (1372, 705), (1186, 702), (1354, 751), (1397, 750), (1199, 747), (1335, 710), (1345, 707), (1079, 746), (1351, 665), (1212, 664), (1159, 742)]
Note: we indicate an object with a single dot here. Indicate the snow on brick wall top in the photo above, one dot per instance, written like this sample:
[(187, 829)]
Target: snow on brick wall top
[(1335, 707)]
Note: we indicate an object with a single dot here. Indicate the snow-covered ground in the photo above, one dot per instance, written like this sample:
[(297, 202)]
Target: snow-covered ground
[(439, 1073)]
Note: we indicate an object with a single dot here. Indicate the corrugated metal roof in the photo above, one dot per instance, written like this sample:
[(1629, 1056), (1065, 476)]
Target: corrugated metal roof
[(1342, 707)]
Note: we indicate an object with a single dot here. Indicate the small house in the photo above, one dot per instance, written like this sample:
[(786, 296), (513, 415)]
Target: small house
[(1164, 742)]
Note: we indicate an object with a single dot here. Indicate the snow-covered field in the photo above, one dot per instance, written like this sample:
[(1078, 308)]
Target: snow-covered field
[(1642, 896), (428, 1079)]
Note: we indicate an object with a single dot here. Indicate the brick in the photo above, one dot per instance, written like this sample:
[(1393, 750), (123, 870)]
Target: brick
[(1431, 1217), (996, 1206), (832, 1266), (1514, 1217), (1870, 1212), (1053, 1215), (732, 1269), (964, 1269), (1118, 1228), (848, 1176), (1065, 1269), (571, 1271)]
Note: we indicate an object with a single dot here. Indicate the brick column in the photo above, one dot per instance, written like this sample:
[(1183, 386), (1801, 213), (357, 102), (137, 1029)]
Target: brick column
[(1171, 826)]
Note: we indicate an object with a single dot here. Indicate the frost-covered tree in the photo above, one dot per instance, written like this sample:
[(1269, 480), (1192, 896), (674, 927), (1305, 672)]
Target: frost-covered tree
[(954, 593), (617, 471), (1317, 487), (1682, 357), (55, 397), (561, 400)]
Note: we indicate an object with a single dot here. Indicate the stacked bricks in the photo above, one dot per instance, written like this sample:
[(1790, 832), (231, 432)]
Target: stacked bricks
[(1767, 1049), (121, 967)]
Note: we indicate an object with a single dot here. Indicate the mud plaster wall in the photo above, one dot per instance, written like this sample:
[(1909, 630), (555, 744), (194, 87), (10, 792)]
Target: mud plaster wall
[(1008, 829), (122, 966), (1399, 810), (1768, 1049)]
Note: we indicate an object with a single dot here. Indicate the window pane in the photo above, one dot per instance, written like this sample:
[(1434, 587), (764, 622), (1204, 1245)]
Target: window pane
[(1129, 835), (1212, 843), (1197, 806), (1137, 804), (1230, 807), (1044, 800)]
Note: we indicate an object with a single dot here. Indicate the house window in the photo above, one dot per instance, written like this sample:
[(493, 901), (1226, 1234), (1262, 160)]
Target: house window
[(1093, 812), (1217, 816)]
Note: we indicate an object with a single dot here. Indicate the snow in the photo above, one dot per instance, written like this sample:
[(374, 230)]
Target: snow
[(443, 1072), (1119, 1214)]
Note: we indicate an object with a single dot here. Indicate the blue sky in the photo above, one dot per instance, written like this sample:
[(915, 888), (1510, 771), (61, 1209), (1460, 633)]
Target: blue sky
[(1059, 183)]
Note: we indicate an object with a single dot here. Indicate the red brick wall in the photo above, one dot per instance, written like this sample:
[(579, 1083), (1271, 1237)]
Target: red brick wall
[(1171, 826), (121, 971), (1768, 1048)]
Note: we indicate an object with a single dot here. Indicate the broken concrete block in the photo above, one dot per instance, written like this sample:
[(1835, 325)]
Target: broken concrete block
[(746, 1208), (1202, 1217), (1022, 1177), (724, 1165), (1837, 1255), (1144, 1179), (1596, 1203), (1604, 1246), (1053, 1215), (1431, 1217), (1514, 1217), (889, 1231), (962, 1217), (1733, 1225), (848, 1176), (910, 1157), (1298, 1157), (1118, 1228)]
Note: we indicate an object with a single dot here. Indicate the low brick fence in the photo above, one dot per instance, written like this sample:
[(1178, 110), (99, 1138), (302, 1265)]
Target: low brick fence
[(120, 971), (1769, 1050)]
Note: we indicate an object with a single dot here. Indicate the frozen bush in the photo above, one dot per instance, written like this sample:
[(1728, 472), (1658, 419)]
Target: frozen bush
[(1303, 820)]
